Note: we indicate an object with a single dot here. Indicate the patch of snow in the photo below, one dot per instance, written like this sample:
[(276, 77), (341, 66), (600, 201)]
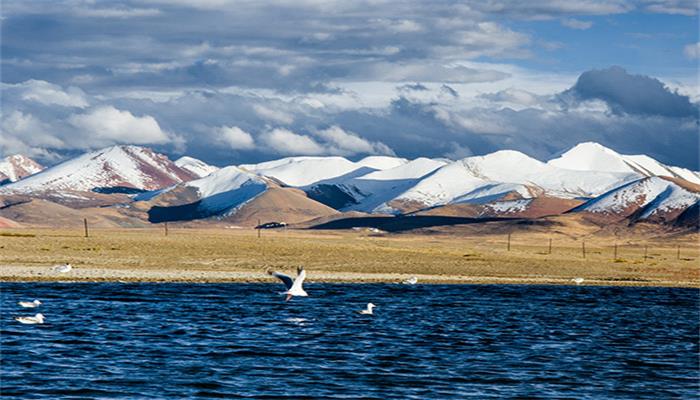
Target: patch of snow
[(510, 206)]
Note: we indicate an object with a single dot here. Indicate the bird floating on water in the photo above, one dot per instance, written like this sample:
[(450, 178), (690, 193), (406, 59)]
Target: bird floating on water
[(30, 304), (62, 268), (368, 310), (294, 286), (410, 281), (577, 281), (37, 319)]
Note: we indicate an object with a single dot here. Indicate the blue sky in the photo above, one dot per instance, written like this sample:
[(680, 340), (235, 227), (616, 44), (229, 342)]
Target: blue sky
[(242, 81)]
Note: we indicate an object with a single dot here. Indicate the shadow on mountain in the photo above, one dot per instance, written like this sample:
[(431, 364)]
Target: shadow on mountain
[(403, 223)]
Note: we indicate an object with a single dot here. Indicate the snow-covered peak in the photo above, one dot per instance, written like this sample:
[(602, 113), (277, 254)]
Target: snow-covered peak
[(410, 170), (17, 166), (195, 166), (115, 166), (224, 180), (591, 156), (303, 171), (381, 162)]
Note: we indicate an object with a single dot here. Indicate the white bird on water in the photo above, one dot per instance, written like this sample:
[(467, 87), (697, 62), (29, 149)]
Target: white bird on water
[(62, 268), (410, 281), (37, 319), (30, 304), (577, 281), (294, 286), (368, 310)]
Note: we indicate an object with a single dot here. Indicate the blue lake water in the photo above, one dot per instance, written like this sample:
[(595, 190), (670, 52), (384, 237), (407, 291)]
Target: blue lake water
[(110, 340)]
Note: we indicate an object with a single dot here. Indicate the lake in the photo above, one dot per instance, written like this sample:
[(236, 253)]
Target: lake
[(170, 340)]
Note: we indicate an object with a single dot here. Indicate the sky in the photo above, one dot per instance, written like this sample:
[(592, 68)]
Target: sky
[(234, 82)]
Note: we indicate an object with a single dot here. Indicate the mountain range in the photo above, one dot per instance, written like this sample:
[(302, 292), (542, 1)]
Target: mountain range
[(135, 186)]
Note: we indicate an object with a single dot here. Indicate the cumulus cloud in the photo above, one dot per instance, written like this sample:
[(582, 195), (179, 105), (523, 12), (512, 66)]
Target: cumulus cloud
[(692, 50), (235, 137), (339, 141), (48, 93), (113, 125), (576, 24), (284, 141), (632, 94)]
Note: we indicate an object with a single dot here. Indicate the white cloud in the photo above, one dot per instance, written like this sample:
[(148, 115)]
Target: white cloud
[(692, 50), (273, 115), (339, 141), (110, 124), (284, 141), (48, 93), (22, 133), (235, 137), (576, 24)]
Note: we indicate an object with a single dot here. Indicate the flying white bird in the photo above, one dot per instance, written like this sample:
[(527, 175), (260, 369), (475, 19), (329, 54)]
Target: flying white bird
[(368, 310), (410, 281), (294, 287), (37, 319), (62, 268), (30, 304), (577, 281)]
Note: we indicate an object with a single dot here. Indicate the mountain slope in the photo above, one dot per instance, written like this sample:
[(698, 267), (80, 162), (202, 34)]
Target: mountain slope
[(502, 174), (369, 191), (595, 157), (197, 167), (117, 166), (236, 196), (651, 199), (16, 167)]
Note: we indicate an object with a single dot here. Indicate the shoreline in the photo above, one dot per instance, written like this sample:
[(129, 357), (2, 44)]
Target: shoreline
[(28, 274)]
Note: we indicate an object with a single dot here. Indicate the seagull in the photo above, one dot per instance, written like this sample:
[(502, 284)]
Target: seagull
[(368, 310), (37, 319), (293, 286), (30, 304), (62, 268), (410, 281), (577, 281)]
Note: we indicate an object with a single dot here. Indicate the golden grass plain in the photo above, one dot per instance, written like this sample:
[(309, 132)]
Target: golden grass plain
[(222, 255)]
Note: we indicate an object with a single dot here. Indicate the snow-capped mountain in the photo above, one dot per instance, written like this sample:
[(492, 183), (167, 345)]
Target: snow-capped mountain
[(369, 191), (305, 171), (595, 157), (504, 173), (117, 166), (16, 167), (198, 167), (651, 198), (236, 196)]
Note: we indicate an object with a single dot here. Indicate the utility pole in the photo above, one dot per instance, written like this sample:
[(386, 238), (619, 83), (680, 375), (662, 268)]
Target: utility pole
[(645, 251), (583, 248), (85, 224), (550, 246), (678, 252), (509, 242), (166, 228)]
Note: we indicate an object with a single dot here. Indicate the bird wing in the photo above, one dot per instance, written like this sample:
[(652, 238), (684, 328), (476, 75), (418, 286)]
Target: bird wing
[(286, 279), (300, 279)]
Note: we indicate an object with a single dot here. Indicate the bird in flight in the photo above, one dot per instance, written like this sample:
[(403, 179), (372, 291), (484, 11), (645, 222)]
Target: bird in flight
[(294, 286)]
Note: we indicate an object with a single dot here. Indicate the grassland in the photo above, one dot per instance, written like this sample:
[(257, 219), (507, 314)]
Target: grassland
[(214, 255)]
